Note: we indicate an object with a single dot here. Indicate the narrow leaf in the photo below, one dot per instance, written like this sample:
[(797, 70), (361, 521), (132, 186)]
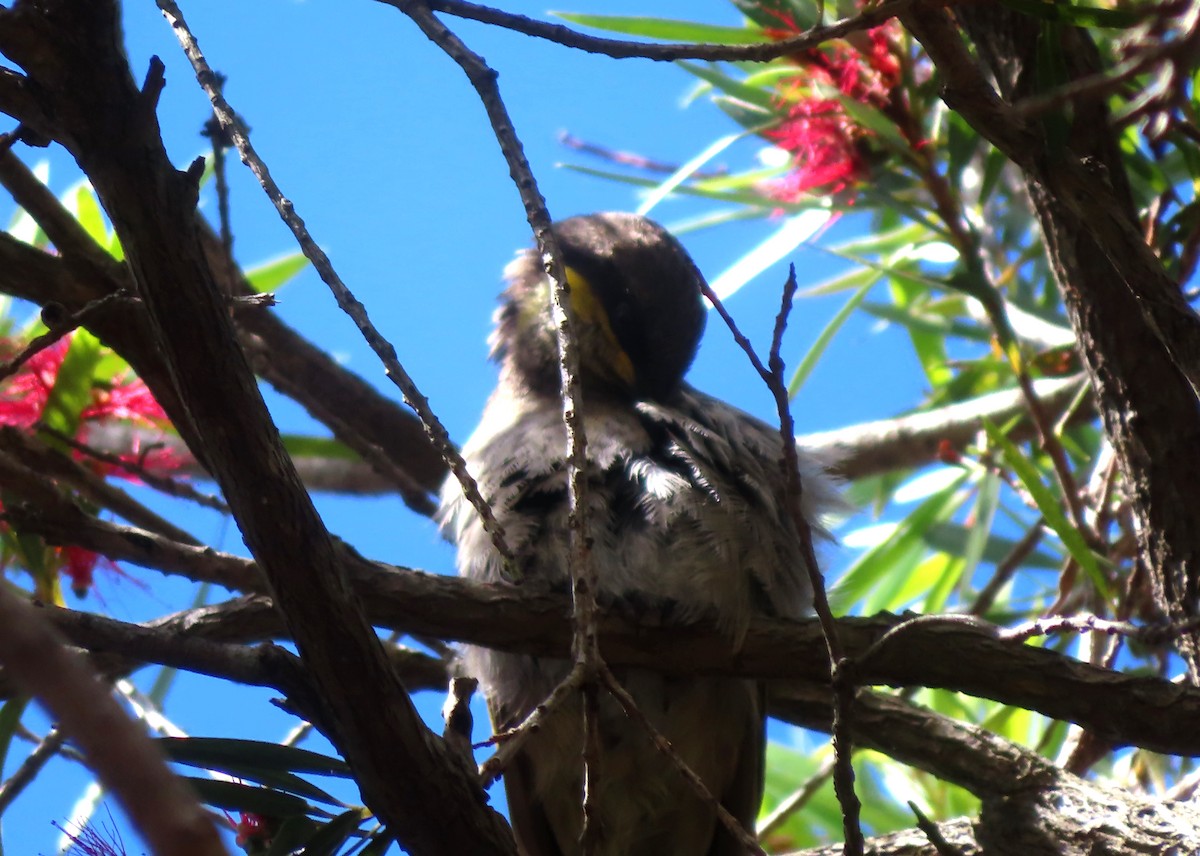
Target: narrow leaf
[(821, 344), (234, 796), (210, 751), (794, 231), (666, 29), (1049, 506), (275, 273)]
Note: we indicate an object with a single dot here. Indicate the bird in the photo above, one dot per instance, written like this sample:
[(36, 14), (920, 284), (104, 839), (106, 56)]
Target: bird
[(688, 519)]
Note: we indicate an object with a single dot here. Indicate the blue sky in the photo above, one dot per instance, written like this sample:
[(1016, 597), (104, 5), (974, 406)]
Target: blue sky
[(381, 144)]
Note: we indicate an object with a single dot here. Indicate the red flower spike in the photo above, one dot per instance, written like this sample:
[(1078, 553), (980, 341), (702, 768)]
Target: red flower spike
[(824, 143), (23, 396), (947, 454)]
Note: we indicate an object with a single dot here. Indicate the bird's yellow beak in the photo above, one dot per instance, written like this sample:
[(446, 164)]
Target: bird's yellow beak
[(589, 310)]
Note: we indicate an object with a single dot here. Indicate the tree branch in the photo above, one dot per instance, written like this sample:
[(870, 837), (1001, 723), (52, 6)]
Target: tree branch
[(71, 51), (618, 49), (164, 810), (1109, 277), (1120, 708)]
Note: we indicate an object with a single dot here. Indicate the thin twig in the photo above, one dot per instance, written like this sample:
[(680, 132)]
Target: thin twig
[(346, 300), (163, 484), (585, 644), (59, 326), (840, 666), (927, 826), (46, 749), (748, 842), (220, 143), (1154, 635), (52, 463), (163, 809), (508, 743), (630, 159), (618, 49), (1006, 567), (797, 800)]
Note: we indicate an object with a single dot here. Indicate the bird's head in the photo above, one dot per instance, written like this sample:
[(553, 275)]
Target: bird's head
[(636, 297)]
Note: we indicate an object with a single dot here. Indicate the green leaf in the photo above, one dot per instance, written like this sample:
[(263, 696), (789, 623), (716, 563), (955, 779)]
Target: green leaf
[(786, 772), (266, 763), (755, 199), (1050, 507), (274, 274), (764, 99), (953, 538), (291, 835), (300, 446), (687, 171), (746, 115), (234, 796), (930, 348), (913, 319), (334, 834), (1050, 72), (86, 208), (790, 234), (884, 241), (72, 391), (880, 570), (666, 29), (869, 117), (993, 165), (780, 14), (209, 752), (1078, 16), (821, 344)]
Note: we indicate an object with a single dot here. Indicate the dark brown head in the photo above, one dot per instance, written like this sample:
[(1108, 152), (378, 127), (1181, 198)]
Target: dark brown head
[(636, 296)]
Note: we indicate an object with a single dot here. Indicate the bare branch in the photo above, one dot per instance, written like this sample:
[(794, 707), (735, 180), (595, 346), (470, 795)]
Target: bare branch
[(164, 810), (763, 52), (346, 300)]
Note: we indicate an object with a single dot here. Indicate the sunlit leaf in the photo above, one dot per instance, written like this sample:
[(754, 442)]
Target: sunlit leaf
[(276, 273), (875, 576), (687, 171), (1050, 507), (821, 343), (764, 99), (301, 446), (72, 391), (666, 29), (776, 247)]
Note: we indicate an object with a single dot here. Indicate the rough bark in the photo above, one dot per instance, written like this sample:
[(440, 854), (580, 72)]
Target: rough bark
[(1137, 335), (71, 54)]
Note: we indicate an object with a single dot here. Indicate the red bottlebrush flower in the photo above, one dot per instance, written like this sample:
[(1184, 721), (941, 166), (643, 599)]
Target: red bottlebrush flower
[(80, 565), (947, 454), (254, 832), (825, 144), (23, 396), (92, 841), (127, 398)]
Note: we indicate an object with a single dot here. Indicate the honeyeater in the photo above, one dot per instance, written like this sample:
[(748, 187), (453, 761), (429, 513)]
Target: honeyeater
[(688, 518)]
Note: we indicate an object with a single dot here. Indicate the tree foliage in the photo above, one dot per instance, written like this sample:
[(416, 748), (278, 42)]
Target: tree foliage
[(1017, 635)]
